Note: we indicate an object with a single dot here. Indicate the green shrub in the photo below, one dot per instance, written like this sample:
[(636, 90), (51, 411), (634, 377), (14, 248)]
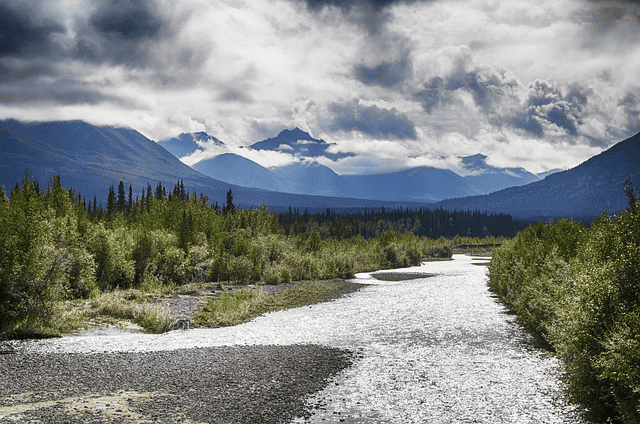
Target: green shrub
[(579, 290), (113, 250)]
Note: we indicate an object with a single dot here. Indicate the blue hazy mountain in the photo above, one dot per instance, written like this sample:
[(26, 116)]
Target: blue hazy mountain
[(582, 192), (235, 169), (487, 178), (188, 143), (310, 177), (545, 174), (90, 159), (307, 177), (300, 144), (422, 184)]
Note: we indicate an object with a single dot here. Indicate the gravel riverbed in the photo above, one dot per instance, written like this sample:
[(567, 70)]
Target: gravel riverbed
[(436, 348)]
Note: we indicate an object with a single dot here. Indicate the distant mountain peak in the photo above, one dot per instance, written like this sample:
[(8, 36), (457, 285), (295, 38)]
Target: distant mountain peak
[(298, 134), (187, 143), (202, 136), (298, 143), (475, 160)]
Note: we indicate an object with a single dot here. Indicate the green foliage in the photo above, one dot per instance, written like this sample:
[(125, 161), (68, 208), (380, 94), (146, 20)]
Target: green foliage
[(579, 291), (53, 248)]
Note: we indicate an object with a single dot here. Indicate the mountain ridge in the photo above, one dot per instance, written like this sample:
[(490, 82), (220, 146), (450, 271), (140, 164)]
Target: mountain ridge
[(89, 159), (582, 192)]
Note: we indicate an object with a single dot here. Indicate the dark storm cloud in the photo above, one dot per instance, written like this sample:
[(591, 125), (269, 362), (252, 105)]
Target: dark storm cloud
[(386, 74), (127, 20), (24, 33), (34, 45), (370, 14), (433, 94), (120, 32), (350, 4), (547, 105), (372, 120), (485, 86), (28, 49)]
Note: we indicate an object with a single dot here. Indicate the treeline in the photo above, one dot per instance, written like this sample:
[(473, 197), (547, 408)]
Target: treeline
[(578, 290), (422, 222), (54, 246)]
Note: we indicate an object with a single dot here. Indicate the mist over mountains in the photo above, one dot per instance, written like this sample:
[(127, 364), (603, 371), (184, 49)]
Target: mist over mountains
[(90, 159), (420, 184)]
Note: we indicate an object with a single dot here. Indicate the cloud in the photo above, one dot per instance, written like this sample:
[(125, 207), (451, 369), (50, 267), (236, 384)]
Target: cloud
[(433, 78), (494, 97), (547, 109), (265, 158), (122, 32), (23, 33), (372, 121), (631, 105), (375, 5), (385, 74), (127, 20)]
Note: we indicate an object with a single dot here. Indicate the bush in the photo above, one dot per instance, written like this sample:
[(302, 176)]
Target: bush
[(113, 250), (578, 290)]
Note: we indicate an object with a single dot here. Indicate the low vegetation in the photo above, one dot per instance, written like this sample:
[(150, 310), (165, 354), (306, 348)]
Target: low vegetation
[(578, 290), (232, 308), (65, 262)]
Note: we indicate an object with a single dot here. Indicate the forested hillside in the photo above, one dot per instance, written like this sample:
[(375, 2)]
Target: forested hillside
[(422, 222), (583, 192)]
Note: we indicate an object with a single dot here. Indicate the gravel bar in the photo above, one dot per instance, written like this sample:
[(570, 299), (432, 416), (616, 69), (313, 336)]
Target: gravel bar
[(437, 349), (237, 384)]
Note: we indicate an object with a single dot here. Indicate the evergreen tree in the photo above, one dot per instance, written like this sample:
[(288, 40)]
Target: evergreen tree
[(112, 203), (122, 202), (229, 207)]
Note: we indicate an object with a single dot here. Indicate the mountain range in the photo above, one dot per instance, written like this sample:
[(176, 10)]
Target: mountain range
[(90, 159), (420, 184)]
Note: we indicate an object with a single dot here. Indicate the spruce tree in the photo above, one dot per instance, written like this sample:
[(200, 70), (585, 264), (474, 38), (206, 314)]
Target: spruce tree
[(122, 202)]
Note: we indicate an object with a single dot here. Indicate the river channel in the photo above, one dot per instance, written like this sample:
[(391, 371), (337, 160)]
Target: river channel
[(438, 348)]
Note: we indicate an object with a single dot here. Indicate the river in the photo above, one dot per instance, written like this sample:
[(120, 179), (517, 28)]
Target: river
[(436, 349)]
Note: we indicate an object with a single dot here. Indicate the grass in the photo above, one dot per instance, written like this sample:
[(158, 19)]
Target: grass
[(233, 308), (151, 317)]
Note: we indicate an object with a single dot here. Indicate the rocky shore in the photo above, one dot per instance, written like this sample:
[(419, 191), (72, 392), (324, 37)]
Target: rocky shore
[(242, 384), (239, 384)]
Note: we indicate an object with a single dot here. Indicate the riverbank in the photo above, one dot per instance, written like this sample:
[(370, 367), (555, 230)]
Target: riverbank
[(436, 348), (241, 384)]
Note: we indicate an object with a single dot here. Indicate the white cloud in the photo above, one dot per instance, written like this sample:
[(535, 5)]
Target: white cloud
[(245, 70)]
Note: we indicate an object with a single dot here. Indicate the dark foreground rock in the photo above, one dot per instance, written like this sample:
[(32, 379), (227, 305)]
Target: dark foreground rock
[(242, 384)]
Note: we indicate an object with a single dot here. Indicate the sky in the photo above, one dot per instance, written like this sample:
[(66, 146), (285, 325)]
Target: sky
[(538, 84)]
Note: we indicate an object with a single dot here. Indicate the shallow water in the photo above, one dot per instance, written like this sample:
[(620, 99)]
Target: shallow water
[(437, 349)]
